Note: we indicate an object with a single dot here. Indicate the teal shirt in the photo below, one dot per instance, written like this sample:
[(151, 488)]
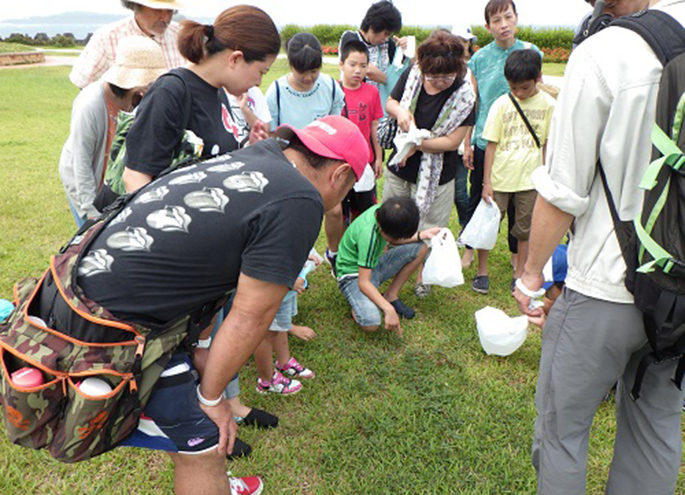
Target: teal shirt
[(487, 65), (361, 246)]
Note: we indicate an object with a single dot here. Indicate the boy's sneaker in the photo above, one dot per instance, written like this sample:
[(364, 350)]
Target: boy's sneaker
[(278, 385), (481, 284), (251, 485), (402, 309), (294, 369), (330, 258)]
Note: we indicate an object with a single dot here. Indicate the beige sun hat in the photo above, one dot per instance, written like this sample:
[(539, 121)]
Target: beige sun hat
[(139, 62), (161, 4)]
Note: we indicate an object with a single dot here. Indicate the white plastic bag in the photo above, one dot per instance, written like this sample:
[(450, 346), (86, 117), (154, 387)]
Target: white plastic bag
[(443, 266), (367, 180), (500, 334), (481, 231)]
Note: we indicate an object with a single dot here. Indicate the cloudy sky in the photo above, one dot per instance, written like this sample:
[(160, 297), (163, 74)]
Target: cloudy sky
[(308, 12)]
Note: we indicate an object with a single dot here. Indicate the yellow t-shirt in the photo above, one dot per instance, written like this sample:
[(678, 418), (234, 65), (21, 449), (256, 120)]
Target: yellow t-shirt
[(517, 155)]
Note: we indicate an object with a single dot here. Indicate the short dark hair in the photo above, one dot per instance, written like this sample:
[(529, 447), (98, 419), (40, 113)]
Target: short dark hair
[(382, 16), (118, 91), (304, 52), (441, 53), (523, 65), (398, 217), (128, 5), (354, 46), (496, 6)]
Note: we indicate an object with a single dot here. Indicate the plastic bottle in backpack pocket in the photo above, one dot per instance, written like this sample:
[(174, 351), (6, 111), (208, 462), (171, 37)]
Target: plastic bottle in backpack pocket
[(27, 377), (94, 387)]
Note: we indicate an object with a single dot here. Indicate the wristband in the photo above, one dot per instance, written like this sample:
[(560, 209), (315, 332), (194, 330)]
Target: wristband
[(204, 343), (206, 402), (527, 292)]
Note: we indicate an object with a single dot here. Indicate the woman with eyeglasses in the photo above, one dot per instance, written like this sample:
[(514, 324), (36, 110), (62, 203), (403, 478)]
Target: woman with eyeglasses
[(435, 95)]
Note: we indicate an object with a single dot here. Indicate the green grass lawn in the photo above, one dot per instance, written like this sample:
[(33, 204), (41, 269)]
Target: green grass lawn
[(429, 413), (6, 47)]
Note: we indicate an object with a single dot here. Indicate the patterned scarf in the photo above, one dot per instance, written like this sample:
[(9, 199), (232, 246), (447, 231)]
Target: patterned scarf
[(455, 110)]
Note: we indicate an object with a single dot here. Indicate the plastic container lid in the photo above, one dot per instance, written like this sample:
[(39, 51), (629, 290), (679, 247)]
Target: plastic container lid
[(94, 386), (27, 377)]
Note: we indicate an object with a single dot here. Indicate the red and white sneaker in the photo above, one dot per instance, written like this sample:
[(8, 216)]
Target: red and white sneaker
[(251, 485), (279, 384), (294, 369)]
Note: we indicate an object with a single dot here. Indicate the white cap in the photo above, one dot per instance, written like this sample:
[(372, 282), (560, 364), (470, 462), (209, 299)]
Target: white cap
[(463, 31)]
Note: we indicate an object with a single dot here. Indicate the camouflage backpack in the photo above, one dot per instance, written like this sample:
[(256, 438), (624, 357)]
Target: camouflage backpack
[(57, 415)]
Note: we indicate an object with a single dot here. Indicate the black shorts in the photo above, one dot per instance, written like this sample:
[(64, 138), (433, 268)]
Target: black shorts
[(356, 203), (173, 420)]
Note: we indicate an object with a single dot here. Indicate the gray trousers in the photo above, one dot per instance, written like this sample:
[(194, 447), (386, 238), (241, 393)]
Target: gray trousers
[(587, 346)]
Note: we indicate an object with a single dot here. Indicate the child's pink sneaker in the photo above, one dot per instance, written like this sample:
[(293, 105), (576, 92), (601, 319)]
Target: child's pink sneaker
[(294, 369), (278, 385)]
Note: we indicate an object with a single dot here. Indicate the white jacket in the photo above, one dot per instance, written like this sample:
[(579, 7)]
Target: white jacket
[(606, 109)]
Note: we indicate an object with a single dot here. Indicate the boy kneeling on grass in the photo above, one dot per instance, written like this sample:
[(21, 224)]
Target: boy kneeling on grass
[(365, 261)]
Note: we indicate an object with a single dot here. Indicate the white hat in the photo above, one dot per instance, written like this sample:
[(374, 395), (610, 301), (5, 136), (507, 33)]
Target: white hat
[(463, 31), (160, 4), (139, 62)]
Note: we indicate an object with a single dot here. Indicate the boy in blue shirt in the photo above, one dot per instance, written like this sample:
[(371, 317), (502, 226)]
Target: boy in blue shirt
[(487, 65)]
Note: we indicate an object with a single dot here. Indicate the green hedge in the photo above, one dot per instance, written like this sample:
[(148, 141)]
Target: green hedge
[(329, 34)]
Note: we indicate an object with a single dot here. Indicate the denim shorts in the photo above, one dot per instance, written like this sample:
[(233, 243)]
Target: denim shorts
[(284, 317), (368, 314)]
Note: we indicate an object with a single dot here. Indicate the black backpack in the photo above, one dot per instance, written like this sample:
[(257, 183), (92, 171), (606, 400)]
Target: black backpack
[(653, 245)]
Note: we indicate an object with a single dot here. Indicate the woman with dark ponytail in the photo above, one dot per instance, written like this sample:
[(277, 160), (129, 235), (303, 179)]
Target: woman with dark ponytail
[(233, 53)]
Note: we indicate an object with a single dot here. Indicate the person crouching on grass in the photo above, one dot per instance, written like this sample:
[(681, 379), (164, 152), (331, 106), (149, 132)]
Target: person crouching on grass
[(383, 243)]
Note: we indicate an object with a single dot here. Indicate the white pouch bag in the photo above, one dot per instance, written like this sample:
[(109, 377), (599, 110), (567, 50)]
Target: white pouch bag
[(481, 231), (500, 334), (443, 266), (367, 180)]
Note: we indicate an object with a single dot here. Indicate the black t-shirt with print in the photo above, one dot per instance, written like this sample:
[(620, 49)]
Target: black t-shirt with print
[(427, 111), (187, 236), (160, 121)]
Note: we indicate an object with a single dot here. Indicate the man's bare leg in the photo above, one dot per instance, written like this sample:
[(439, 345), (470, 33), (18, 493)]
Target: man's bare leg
[(200, 474)]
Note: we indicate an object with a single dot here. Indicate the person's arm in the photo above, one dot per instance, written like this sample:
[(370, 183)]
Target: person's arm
[(376, 75), (402, 115), (392, 321), (134, 180), (444, 143), (487, 171), (247, 112), (377, 150), (254, 308), (548, 228), (272, 103)]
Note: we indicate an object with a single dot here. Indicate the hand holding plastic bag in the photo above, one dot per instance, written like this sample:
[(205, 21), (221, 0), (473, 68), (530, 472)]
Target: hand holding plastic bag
[(500, 334), (443, 266), (481, 231)]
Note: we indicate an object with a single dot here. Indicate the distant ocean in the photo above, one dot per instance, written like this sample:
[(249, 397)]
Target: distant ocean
[(79, 24)]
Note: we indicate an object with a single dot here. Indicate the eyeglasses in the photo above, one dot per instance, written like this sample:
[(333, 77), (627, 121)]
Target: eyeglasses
[(448, 78)]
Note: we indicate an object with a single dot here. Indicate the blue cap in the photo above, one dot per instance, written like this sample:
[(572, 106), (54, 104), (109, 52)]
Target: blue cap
[(559, 266)]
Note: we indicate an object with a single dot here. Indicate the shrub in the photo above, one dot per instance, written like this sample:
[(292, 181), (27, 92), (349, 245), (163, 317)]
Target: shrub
[(63, 41), (556, 55)]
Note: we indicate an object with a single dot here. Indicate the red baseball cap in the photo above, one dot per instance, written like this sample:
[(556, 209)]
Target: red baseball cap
[(333, 137)]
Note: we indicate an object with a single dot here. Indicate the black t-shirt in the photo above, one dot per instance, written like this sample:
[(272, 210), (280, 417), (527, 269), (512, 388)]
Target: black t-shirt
[(427, 111), (160, 121), (186, 237)]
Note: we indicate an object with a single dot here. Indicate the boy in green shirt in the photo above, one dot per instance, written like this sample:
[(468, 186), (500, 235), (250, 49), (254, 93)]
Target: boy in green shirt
[(364, 263)]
